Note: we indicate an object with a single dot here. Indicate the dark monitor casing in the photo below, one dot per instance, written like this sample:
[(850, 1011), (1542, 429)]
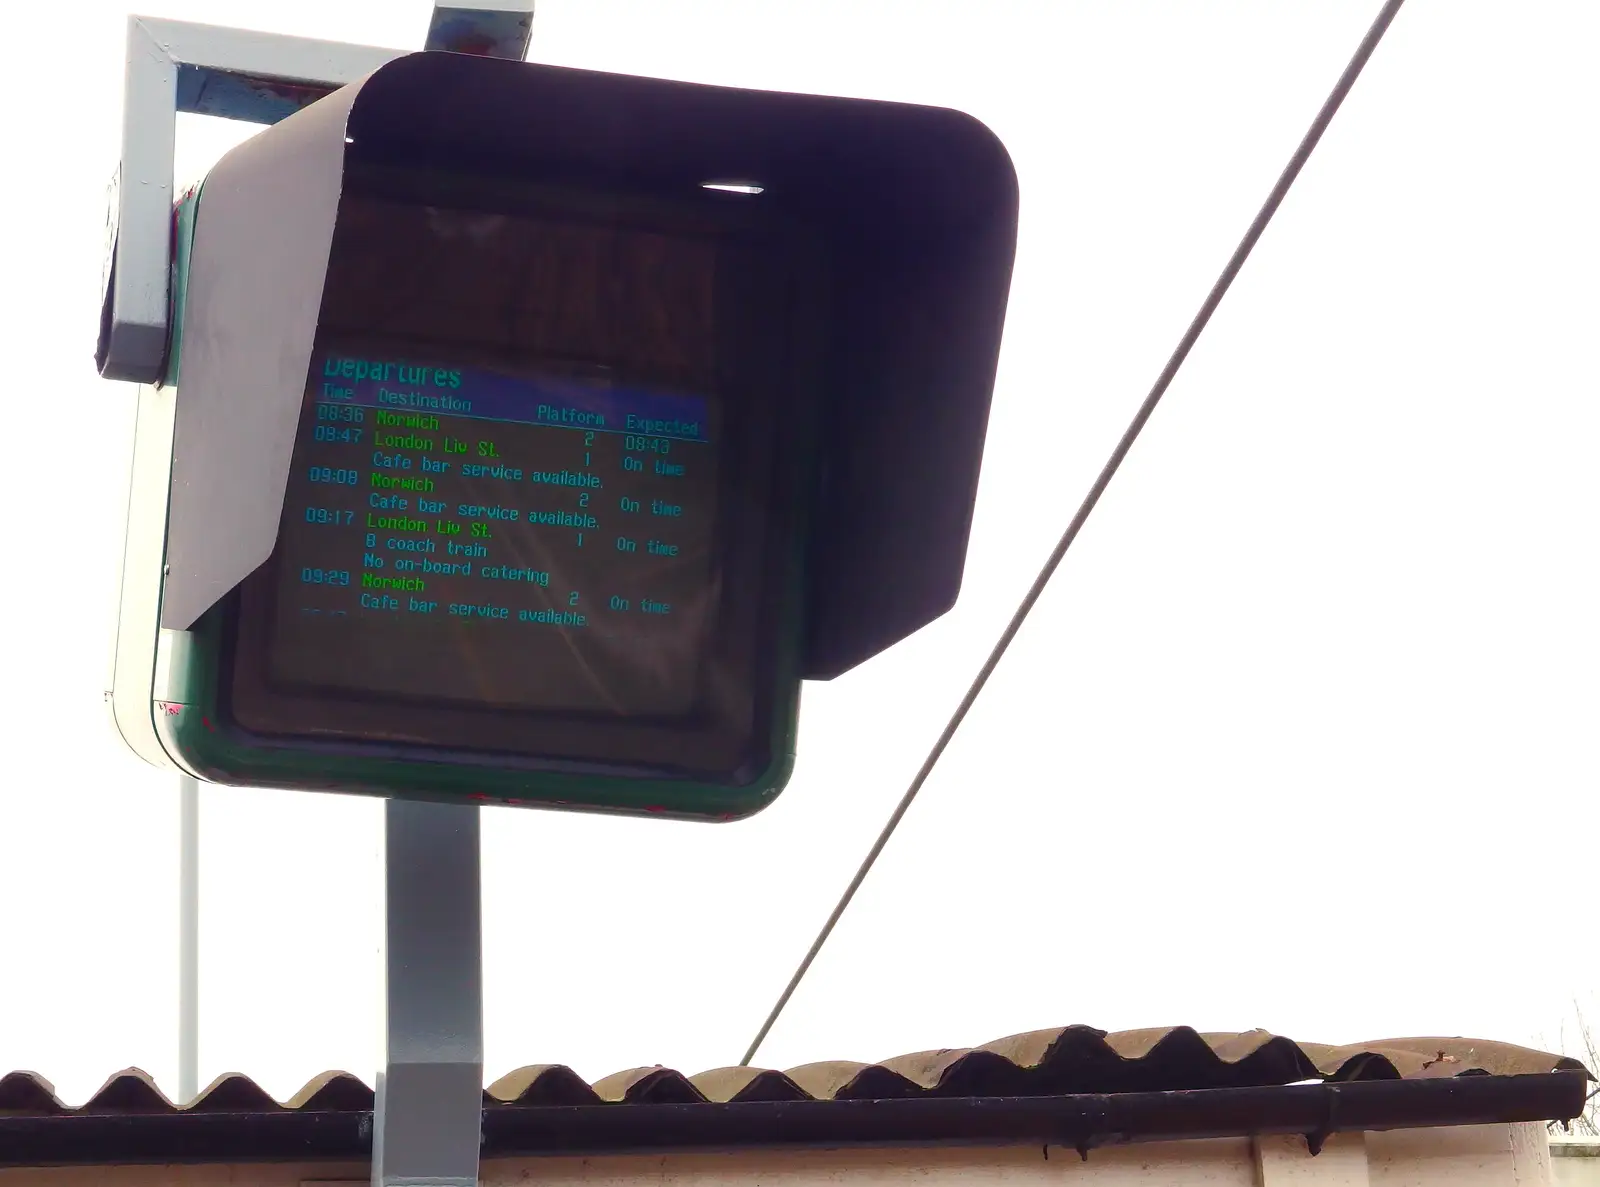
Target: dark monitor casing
[(866, 290)]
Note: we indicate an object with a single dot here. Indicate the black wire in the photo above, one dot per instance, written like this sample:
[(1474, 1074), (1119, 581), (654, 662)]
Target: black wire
[(1214, 298)]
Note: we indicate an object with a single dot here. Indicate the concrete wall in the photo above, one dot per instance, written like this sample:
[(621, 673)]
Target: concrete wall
[(1479, 1156), (1575, 1162)]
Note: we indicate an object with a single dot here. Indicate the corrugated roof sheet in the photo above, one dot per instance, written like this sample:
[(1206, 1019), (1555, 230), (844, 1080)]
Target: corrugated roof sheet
[(1064, 1061)]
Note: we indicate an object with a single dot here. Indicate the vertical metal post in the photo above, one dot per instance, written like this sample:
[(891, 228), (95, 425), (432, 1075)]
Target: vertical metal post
[(188, 939), (428, 1122), (491, 28)]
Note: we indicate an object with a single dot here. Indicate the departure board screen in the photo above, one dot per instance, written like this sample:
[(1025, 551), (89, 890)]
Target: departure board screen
[(497, 536)]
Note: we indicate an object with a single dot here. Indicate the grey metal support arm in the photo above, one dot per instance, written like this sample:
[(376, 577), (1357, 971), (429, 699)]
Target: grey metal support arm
[(175, 66)]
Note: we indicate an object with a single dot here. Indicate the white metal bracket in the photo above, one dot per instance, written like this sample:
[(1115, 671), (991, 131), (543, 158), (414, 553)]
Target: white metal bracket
[(175, 66)]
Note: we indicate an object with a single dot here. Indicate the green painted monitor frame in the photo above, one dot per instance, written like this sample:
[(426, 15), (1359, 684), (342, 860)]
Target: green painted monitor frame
[(191, 718)]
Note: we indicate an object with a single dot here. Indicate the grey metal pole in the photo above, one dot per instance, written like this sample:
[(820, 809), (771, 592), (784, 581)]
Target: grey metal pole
[(188, 939), (428, 1122)]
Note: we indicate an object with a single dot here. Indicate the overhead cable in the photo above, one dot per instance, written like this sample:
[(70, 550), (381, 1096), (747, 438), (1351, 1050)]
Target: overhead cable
[(1241, 253)]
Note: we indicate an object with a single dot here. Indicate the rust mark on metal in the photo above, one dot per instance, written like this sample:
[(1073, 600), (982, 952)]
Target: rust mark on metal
[(478, 44), (302, 94)]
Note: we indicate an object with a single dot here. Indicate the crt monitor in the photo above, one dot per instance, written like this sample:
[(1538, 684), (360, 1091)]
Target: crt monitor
[(540, 510)]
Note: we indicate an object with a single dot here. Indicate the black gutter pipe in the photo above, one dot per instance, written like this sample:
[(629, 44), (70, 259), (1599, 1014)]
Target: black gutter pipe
[(1079, 1122)]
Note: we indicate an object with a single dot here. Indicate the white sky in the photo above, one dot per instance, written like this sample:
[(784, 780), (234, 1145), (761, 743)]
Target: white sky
[(1302, 736)]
